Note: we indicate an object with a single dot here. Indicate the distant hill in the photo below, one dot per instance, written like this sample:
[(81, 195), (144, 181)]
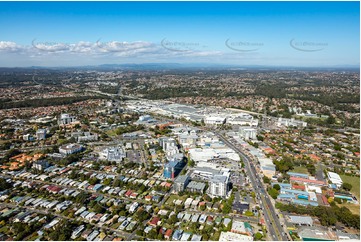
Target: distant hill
[(180, 66)]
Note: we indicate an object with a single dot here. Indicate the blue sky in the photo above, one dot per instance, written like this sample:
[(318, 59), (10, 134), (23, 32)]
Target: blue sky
[(240, 33)]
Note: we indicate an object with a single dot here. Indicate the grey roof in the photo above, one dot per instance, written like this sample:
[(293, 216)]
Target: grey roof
[(350, 236), (314, 233), (181, 179), (301, 220), (196, 185), (207, 169), (196, 237), (219, 179)]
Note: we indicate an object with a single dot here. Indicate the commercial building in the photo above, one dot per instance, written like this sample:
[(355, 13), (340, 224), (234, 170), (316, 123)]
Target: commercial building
[(84, 136), (307, 181), (181, 183), (282, 185), (248, 133), (115, 153), (218, 186), (40, 165), (167, 143), (304, 202), (229, 236), (214, 120), (172, 169), (347, 236), (70, 149), (28, 137), (285, 122), (242, 119), (267, 167), (301, 220), (66, 119), (345, 196), (198, 154), (188, 139), (205, 172), (335, 178), (198, 187), (316, 234), (241, 228), (41, 134)]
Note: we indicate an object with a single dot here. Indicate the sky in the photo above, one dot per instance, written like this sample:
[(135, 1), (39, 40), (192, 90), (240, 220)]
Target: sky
[(303, 34)]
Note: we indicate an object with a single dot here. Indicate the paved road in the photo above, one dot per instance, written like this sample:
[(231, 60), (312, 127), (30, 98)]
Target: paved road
[(272, 221), (319, 172)]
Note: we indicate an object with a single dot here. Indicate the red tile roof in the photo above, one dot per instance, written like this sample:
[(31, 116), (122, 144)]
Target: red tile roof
[(128, 193), (168, 233), (154, 221), (298, 179), (324, 200), (298, 187)]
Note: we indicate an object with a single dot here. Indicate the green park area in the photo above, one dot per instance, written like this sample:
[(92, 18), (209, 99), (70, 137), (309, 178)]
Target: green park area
[(355, 182), (300, 169), (354, 208)]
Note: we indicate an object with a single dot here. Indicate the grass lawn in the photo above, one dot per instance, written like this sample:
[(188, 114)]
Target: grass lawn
[(111, 132), (115, 226), (172, 197), (300, 169), (4, 229), (355, 182), (32, 237), (354, 208)]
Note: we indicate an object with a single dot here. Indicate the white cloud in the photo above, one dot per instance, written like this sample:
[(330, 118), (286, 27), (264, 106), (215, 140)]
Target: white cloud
[(116, 46), (57, 53), (9, 46)]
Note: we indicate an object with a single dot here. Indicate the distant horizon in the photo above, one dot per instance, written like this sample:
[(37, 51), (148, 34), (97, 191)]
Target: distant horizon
[(300, 34), (175, 66)]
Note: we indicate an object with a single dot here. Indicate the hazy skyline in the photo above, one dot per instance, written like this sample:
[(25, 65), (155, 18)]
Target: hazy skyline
[(239, 33)]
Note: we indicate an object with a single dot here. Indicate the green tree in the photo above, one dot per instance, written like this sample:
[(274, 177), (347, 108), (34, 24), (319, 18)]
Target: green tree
[(191, 163), (258, 236), (330, 119), (98, 208), (152, 234), (4, 185), (93, 180), (207, 198), (277, 187), (173, 219), (347, 186), (226, 209), (273, 193), (266, 179)]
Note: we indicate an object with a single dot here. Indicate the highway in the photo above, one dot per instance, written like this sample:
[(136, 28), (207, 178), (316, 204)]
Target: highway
[(272, 221)]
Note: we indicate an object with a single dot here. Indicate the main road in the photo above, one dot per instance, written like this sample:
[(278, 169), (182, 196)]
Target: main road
[(272, 221)]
